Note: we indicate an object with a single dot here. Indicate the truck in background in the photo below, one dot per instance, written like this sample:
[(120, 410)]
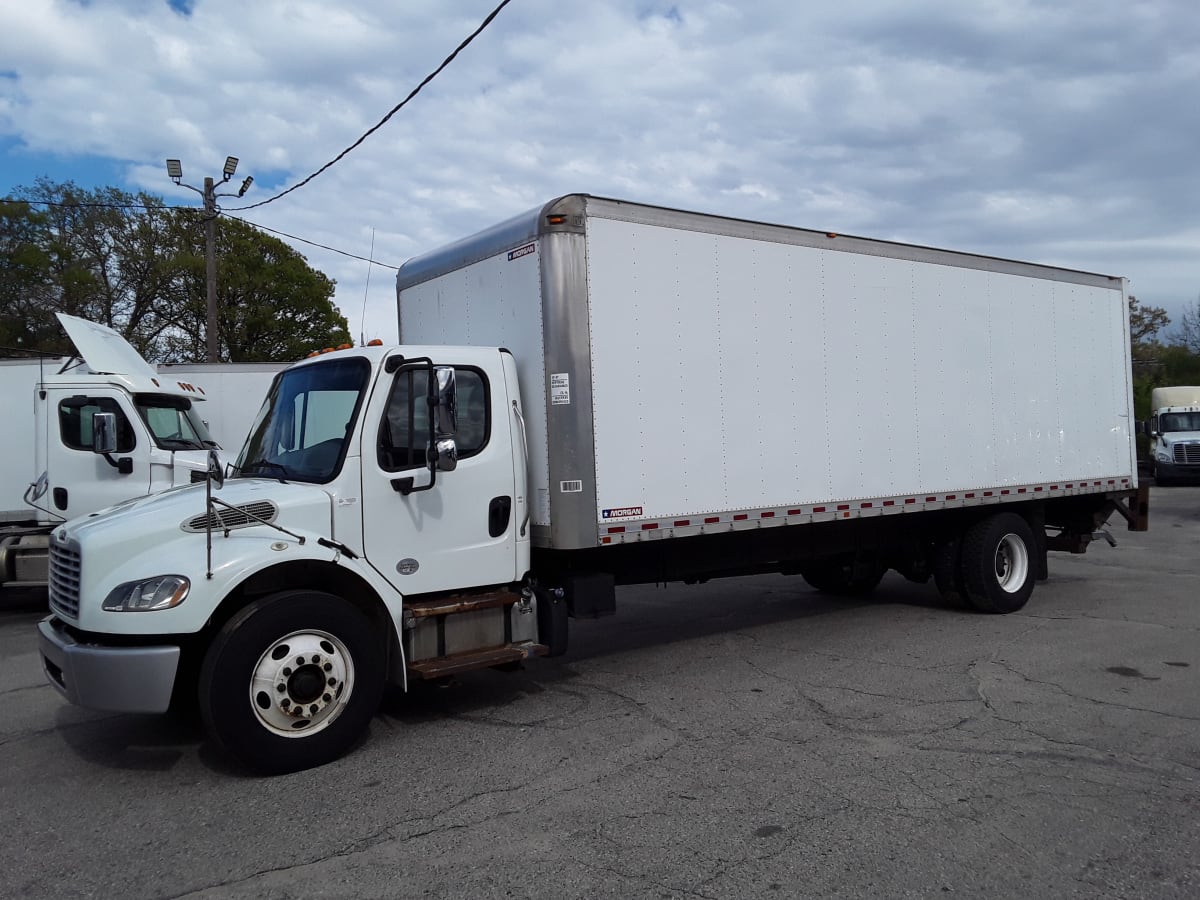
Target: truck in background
[(233, 394), (1174, 432), (49, 468), (592, 394)]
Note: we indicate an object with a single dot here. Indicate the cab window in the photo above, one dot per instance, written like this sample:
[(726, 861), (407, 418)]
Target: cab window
[(75, 422), (404, 433)]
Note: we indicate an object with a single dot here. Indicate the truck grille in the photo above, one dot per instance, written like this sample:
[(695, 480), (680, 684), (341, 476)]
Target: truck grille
[(64, 577), (222, 517), (1188, 454)]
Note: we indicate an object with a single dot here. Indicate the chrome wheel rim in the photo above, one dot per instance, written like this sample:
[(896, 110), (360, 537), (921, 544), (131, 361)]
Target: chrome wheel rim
[(301, 683)]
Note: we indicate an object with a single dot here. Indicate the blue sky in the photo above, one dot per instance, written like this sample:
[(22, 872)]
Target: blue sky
[(1062, 132)]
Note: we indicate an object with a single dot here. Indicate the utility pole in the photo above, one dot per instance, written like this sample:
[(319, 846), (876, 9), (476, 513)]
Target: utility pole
[(211, 210)]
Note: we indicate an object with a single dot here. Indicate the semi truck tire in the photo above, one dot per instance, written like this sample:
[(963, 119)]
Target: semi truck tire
[(291, 681), (841, 577), (998, 570)]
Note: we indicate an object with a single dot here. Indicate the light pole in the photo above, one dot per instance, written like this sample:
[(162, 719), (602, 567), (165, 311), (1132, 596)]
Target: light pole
[(175, 172)]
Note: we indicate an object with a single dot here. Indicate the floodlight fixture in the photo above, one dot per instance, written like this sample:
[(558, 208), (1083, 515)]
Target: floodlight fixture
[(230, 166), (246, 185), (174, 170)]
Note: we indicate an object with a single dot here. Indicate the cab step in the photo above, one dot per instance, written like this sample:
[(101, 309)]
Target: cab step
[(453, 664)]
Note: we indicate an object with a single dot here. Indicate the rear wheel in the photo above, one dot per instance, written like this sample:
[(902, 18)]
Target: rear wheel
[(291, 681), (998, 563)]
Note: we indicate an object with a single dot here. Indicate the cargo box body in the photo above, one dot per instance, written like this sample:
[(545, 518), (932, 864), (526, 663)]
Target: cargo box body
[(687, 374)]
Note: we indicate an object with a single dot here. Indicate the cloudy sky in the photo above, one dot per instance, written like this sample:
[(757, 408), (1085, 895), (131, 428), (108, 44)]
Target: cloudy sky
[(1064, 131)]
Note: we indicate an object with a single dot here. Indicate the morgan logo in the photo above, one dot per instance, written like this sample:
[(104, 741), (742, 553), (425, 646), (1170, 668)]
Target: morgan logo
[(621, 512), (521, 251)]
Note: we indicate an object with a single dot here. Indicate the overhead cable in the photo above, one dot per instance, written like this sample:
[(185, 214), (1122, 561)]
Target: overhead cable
[(395, 109), (311, 243)]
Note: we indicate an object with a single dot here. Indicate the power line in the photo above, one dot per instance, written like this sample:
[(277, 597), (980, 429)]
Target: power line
[(395, 109), (219, 212), (146, 206), (311, 243)]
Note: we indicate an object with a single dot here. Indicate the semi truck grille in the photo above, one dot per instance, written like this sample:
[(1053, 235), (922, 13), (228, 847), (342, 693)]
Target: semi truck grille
[(64, 577), (1188, 454), (222, 518)]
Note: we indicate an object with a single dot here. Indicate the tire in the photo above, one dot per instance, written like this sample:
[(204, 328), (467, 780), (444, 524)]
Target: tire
[(998, 563), (841, 577), (251, 686), (947, 570)]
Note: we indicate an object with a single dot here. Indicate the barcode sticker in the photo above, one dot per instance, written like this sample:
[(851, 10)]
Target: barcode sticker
[(571, 487)]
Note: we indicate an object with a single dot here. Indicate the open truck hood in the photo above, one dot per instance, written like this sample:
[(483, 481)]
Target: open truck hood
[(103, 349)]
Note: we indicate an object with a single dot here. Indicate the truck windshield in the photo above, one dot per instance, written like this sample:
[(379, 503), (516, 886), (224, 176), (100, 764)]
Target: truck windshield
[(173, 422), (1180, 421), (301, 432)]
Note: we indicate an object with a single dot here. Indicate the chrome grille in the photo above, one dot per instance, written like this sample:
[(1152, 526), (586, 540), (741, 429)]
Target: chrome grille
[(222, 517), (1188, 454), (64, 577)]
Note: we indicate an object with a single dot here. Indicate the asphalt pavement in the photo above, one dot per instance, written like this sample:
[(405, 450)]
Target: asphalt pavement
[(743, 738)]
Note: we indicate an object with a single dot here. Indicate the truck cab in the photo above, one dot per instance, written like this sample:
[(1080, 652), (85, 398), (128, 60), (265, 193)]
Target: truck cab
[(51, 465), (1174, 432), (373, 526)]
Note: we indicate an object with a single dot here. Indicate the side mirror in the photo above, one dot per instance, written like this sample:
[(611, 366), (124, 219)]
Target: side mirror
[(447, 402), (215, 471), (104, 433), (445, 454), (104, 441)]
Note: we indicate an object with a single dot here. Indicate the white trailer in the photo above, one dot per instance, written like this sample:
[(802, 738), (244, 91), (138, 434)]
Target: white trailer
[(1174, 432), (600, 393)]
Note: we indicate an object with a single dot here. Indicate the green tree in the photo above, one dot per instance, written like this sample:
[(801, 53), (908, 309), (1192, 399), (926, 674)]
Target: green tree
[(1188, 334), (132, 263), (26, 319), (272, 304)]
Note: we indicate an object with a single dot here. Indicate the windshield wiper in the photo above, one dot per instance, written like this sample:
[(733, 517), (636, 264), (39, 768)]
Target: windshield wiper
[(264, 465), (180, 444)]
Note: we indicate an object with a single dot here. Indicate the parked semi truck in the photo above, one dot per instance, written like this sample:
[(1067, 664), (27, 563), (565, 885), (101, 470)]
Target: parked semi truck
[(1174, 432), (593, 394), (49, 471)]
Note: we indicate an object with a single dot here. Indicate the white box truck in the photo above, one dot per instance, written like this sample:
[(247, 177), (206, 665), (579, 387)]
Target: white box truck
[(1174, 432), (600, 393), (50, 472)]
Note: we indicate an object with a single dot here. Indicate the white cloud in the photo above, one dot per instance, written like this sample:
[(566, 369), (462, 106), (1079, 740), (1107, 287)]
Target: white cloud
[(1062, 133)]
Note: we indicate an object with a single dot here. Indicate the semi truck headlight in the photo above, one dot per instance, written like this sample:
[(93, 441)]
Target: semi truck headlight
[(159, 592), (1163, 457)]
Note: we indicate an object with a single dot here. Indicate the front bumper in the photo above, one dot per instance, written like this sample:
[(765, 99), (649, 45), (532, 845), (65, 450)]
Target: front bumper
[(1175, 471), (116, 679)]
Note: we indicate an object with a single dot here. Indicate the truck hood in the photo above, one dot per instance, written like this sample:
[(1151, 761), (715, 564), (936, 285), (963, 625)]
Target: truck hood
[(291, 505), (165, 534), (1170, 438)]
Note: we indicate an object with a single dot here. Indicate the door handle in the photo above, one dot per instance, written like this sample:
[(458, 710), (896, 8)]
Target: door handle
[(499, 511)]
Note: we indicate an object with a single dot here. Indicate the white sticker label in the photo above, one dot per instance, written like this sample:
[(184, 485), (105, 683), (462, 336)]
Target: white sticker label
[(560, 389), (571, 487)]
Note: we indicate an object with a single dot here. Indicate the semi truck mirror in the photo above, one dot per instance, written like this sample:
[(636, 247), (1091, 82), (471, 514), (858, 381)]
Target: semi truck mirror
[(215, 471), (447, 405), (104, 433), (446, 453)]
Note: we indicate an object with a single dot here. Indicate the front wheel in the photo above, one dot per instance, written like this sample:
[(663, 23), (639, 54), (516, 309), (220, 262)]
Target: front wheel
[(291, 681), (997, 563)]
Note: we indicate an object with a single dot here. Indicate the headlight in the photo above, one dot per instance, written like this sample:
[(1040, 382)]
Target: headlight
[(159, 592), (1164, 457)]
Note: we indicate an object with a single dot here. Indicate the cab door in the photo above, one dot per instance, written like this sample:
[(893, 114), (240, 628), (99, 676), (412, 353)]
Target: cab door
[(82, 481), (460, 532)]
